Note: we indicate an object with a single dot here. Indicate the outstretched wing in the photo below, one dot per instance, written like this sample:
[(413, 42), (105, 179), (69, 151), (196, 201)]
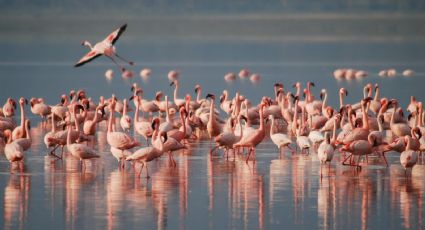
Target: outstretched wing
[(88, 57), (113, 37)]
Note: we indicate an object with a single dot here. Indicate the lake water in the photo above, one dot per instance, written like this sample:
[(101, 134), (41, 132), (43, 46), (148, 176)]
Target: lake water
[(213, 193)]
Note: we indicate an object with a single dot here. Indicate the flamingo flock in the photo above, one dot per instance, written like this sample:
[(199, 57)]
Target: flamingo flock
[(296, 122)]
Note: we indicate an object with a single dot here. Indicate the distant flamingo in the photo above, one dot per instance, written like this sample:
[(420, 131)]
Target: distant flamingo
[(106, 48)]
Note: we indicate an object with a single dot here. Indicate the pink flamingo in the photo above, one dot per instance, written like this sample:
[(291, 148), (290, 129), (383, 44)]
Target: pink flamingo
[(106, 48)]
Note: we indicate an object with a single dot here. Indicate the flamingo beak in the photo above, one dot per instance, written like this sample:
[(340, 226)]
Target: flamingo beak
[(131, 98), (26, 101), (172, 83), (312, 84), (132, 89)]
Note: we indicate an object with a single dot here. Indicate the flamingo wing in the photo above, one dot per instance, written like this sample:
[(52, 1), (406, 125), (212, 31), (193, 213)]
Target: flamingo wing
[(113, 37), (88, 57)]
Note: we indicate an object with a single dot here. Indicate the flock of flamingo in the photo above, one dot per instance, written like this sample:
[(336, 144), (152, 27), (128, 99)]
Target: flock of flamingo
[(296, 121), (373, 126)]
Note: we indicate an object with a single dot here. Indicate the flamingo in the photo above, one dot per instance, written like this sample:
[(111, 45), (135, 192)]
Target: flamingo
[(147, 154), (55, 138), (25, 142), (279, 139), (118, 140), (12, 150), (178, 101), (106, 48), (141, 127), (125, 120), (255, 137), (408, 157), (39, 108), (9, 108), (213, 127), (80, 151), (19, 132), (325, 152)]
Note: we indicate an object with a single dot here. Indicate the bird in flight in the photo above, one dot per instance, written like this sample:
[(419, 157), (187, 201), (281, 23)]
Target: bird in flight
[(106, 48)]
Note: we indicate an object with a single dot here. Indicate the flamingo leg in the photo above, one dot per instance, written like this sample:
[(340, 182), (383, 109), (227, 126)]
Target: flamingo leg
[(113, 60), (147, 172), (385, 159), (123, 59), (347, 158), (250, 150), (141, 169)]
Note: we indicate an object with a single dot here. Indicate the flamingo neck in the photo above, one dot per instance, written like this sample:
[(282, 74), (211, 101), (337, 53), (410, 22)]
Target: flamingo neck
[(377, 94), (167, 112), (272, 126), (68, 136), (341, 100), (88, 44), (75, 119), (96, 115), (136, 113), (212, 115), (393, 115), (124, 111), (380, 128), (261, 118), (198, 95), (325, 100), (183, 119), (334, 130), (22, 118), (27, 131), (111, 118), (176, 89), (294, 120), (365, 118), (53, 125)]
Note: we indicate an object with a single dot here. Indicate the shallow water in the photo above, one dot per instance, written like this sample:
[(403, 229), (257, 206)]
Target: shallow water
[(214, 192)]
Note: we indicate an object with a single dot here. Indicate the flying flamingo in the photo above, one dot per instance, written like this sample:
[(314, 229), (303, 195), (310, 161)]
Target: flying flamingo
[(106, 48)]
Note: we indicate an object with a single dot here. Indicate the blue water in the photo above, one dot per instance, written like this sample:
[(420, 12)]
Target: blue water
[(213, 193)]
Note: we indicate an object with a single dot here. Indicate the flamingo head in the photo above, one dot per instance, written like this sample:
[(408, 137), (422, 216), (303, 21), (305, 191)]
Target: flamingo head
[(222, 98), (71, 94), (322, 93), (165, 136), (85, 104), (158, 96), (183, 112), (296, 85), (243, 118), (376, 86), (86, 43), (309, 84), (212, 96), (22, 101), (133, 87), (197, 88), (81, 94), (33, 101), (279, 92), (155, 123), (63, 99), (343, 91), (12, 102)]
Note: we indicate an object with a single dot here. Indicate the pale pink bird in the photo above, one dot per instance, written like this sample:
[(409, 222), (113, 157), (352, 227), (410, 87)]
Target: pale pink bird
[(106, 48)]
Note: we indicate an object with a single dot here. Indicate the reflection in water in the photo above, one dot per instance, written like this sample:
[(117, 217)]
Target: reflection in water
[(238, 195), (16, 199)]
